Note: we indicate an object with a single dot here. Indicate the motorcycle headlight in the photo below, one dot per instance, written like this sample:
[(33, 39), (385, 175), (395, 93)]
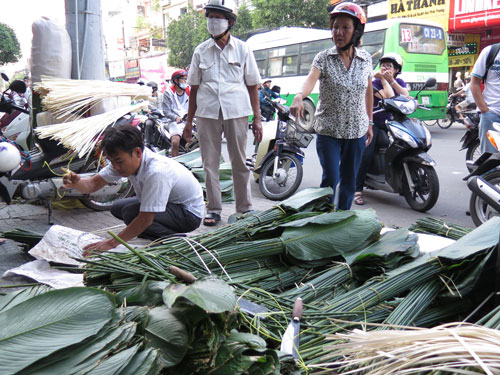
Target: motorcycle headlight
[(407, 107), (401, 134), (428, 139)]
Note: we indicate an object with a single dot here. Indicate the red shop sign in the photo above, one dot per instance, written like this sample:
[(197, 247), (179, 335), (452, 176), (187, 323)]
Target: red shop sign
[(470, 14)]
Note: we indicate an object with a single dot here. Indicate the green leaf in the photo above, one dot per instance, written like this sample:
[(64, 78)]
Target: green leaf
[(167, 332), (211, 294), (334, 238), (481, 238), (48, 322), (143, 363), (114, 364), (306, 197), (14, 298), (144, 294), (83, 357)]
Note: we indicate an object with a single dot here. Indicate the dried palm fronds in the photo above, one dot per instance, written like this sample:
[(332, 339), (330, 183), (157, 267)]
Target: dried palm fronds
[(455, 348), (82, 135), (71, 97)]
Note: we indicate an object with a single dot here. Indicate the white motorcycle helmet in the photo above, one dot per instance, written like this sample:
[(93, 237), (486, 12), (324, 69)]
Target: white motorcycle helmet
[(10, 157), (227, 7)]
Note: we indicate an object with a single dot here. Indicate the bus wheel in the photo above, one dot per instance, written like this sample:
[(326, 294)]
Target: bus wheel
[(307, 121)]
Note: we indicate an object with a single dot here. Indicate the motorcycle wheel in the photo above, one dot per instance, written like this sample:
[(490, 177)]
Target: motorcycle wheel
[(290, 176), (446, 122), (104, 203), (473, 153), (426, 191), (480, 211)]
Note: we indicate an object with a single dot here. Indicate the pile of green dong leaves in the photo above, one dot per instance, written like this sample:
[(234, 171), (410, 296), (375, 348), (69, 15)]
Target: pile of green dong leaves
[(135, 317)]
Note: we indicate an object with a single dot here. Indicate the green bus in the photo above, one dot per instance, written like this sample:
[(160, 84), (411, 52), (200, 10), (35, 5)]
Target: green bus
[(285, 56)]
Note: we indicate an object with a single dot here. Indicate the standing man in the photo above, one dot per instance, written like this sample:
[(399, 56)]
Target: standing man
[(223, 77), (168, 198), (175, 106), (488, 101)]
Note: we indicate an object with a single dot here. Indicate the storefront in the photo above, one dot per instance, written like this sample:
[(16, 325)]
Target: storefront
[(473, 25)]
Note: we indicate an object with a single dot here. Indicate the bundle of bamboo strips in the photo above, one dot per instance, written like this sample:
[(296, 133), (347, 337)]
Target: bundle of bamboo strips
[(453, 348), (82, 135), (70, 97)]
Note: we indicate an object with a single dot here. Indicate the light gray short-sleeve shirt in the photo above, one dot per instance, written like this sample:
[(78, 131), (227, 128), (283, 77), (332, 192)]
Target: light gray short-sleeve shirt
[(161, 180), (223, 77), (341, 111)]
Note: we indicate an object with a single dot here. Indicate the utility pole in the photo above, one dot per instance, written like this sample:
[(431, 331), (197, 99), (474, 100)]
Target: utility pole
[(84, 25)]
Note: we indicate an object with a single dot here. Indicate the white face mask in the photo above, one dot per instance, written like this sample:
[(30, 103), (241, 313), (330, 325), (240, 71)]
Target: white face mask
[(217, 26), (183, 86)]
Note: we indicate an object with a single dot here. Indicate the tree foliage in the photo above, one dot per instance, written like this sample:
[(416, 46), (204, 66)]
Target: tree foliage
[(271, 14), (244, 24), (9, 45), (183, 35)]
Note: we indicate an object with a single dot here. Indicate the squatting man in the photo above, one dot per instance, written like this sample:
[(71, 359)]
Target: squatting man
[(168, 199)]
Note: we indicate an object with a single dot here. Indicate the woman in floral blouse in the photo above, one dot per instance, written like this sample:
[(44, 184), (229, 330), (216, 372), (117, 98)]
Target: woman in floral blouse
[(343, 119)]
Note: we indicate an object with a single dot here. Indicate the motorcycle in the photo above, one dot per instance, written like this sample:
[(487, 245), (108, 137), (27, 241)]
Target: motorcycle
[(157, 136), (484, 182), (15, 125), (470, 140), (39, 175), (452, 115), (401, 164), (277, 160)]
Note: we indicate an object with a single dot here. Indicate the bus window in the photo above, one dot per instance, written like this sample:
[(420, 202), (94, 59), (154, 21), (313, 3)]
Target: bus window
[(261, 59), (373, 43), (422, 39), (290, 65), (275, 66)]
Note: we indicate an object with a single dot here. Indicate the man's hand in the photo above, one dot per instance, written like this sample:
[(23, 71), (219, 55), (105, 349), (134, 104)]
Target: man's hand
[(187, 134), (483, 108), (297, 107), (99, 247), (178, 119), (70, 179), (257, 128)]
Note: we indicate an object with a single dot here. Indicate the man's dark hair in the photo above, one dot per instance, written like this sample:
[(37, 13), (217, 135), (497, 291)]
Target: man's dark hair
[(121, 138)]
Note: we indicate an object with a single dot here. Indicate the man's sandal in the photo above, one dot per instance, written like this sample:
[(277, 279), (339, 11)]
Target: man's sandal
[(211, 219), (358, 198)]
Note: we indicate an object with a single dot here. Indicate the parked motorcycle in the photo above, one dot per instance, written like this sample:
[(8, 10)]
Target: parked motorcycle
[(39, 175), (401, 164), (15, 125), (470, 140), (484, 182), (277, 160), (157, 135)]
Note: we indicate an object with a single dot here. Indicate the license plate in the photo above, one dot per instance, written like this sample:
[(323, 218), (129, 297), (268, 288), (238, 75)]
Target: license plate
[(426, 100)]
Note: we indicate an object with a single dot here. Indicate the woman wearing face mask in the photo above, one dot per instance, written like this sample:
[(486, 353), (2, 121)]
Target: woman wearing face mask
[(175, 106), (344, 114), (387, 84), (223, 77)]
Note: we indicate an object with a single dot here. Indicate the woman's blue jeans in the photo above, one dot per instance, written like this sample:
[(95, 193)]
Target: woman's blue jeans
[(340, 160)]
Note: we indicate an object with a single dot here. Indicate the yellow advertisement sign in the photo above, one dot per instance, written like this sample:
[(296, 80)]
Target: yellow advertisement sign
[(431, 10), (465, 54)]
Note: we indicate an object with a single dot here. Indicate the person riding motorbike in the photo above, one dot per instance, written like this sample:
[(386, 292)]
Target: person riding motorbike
[(265, 92), (175, 106), (156, 98), (388, 85), (469, 99)]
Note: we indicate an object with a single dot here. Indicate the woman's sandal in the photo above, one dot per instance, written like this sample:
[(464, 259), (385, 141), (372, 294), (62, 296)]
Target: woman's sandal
[(211, 219), (358, 198)]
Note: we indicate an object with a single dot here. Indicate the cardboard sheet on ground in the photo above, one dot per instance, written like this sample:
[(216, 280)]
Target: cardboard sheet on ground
[(61, 244), (41, 271)]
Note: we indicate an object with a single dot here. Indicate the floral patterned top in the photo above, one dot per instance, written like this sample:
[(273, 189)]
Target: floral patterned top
[(341, 111)]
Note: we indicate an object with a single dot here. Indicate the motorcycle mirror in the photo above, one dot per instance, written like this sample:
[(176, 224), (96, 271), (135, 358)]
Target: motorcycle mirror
[(430, 82), (18, 86), (276, 89), (5, 77)]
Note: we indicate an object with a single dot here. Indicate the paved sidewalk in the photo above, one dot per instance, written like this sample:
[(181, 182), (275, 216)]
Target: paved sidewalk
[(34, 217)]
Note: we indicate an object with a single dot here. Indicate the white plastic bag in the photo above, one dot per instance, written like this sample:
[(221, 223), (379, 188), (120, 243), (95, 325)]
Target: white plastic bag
[(50, 50)]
